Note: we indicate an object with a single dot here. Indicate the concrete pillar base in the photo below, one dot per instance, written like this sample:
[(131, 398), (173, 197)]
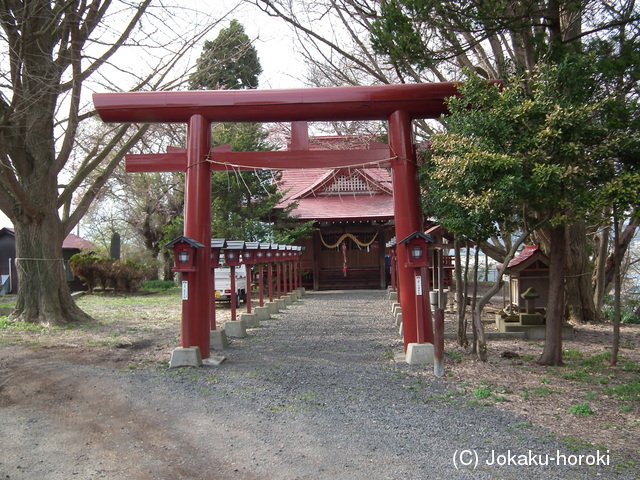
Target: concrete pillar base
[(185, 357), (272, 307), (280, 303), (303, 291), (250, 320), (288, 300), (419, 354), (236, 328), (218, 339), (393, 295), (398, 319), (395, 307), (263, 313), (401, 330)]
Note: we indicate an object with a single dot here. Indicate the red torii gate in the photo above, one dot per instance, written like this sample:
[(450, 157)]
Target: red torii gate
[(397, 104)]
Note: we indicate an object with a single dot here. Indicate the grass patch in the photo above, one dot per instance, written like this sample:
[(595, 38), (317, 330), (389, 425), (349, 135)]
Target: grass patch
[(482, 393), (582, 409), (627, 392), (158, 286), (13, 326)]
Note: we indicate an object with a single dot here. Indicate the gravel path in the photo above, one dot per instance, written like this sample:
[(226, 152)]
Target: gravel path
[(313, 393)]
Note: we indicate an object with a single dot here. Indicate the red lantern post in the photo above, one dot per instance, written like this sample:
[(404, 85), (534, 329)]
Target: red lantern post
[(184, 256), (278, 258), (416, 246), (232, 259), (261, 258), (249, 258), (270, 254), (217, 244)]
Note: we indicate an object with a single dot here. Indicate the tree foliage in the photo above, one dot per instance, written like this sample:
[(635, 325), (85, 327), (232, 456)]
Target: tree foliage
[(539, 148), (230, 62)]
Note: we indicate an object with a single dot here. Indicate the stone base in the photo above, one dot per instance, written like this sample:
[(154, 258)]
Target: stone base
[(272, 307), (398, 319), (218, 339), (395, 307), (280, 304), (419, 354), (185, 357), (288, 300), (393, 295), (532, 332), (250, 320), (236, 329), (262, 313), (531, 319), (303, 291), (401, 330), (214, 361)]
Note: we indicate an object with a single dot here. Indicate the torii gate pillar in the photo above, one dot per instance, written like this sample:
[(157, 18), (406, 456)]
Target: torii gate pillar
[(408, 218), (197, 225)]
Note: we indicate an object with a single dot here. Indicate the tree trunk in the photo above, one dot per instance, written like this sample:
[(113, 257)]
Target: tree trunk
[(599, 287), (625, 239), (552, 353), (495, 288), (461, 305), (615, 345), (476, 323), (579, 291), (43, 295)]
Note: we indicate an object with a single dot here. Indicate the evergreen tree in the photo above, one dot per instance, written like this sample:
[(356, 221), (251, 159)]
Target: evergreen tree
[(230, 62)]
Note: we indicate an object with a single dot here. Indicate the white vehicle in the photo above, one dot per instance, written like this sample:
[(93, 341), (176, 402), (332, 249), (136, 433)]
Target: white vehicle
[(223, 283)]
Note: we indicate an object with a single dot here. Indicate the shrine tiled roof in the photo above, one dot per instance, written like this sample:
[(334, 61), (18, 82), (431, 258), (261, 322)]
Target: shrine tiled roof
[(528, 255), (345, 207), (310, 189)]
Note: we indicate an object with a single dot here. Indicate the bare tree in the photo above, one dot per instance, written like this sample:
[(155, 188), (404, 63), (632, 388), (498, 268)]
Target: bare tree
[(55, 49)]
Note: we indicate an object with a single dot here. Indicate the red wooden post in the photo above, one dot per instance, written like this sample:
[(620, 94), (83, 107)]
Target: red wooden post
[(248, 291), (216, 245), (261, 284), (408, 216), (278, 267), (270, 257), (197, 225), (292, 262), (234, 294)]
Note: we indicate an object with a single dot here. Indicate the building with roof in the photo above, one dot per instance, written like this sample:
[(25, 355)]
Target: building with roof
[(528, 269), (352, 211), (10, 282)]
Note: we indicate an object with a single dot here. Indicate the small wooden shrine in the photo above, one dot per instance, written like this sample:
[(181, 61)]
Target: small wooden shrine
[(529, 269)]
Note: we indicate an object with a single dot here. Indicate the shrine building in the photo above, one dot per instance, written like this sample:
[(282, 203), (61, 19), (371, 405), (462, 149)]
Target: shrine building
[(352, 212)]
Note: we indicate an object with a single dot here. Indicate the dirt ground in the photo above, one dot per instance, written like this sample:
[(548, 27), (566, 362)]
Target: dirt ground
[(43, 368)]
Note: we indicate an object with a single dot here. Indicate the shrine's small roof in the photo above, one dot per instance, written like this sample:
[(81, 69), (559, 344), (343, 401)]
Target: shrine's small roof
[(529, 254)]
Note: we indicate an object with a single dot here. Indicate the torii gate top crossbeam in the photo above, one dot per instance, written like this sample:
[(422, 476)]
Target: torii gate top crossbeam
[(313, 104)]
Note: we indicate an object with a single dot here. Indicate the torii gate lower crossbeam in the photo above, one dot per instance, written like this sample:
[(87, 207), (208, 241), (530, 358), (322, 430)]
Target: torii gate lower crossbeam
[(397, 104)]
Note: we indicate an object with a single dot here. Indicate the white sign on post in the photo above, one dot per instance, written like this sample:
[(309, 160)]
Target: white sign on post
[(418, 285), (185, 290)]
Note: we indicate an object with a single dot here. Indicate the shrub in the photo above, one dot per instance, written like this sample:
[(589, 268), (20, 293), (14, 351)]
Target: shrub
[(92, 269), (128, 276), (95, 270)]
